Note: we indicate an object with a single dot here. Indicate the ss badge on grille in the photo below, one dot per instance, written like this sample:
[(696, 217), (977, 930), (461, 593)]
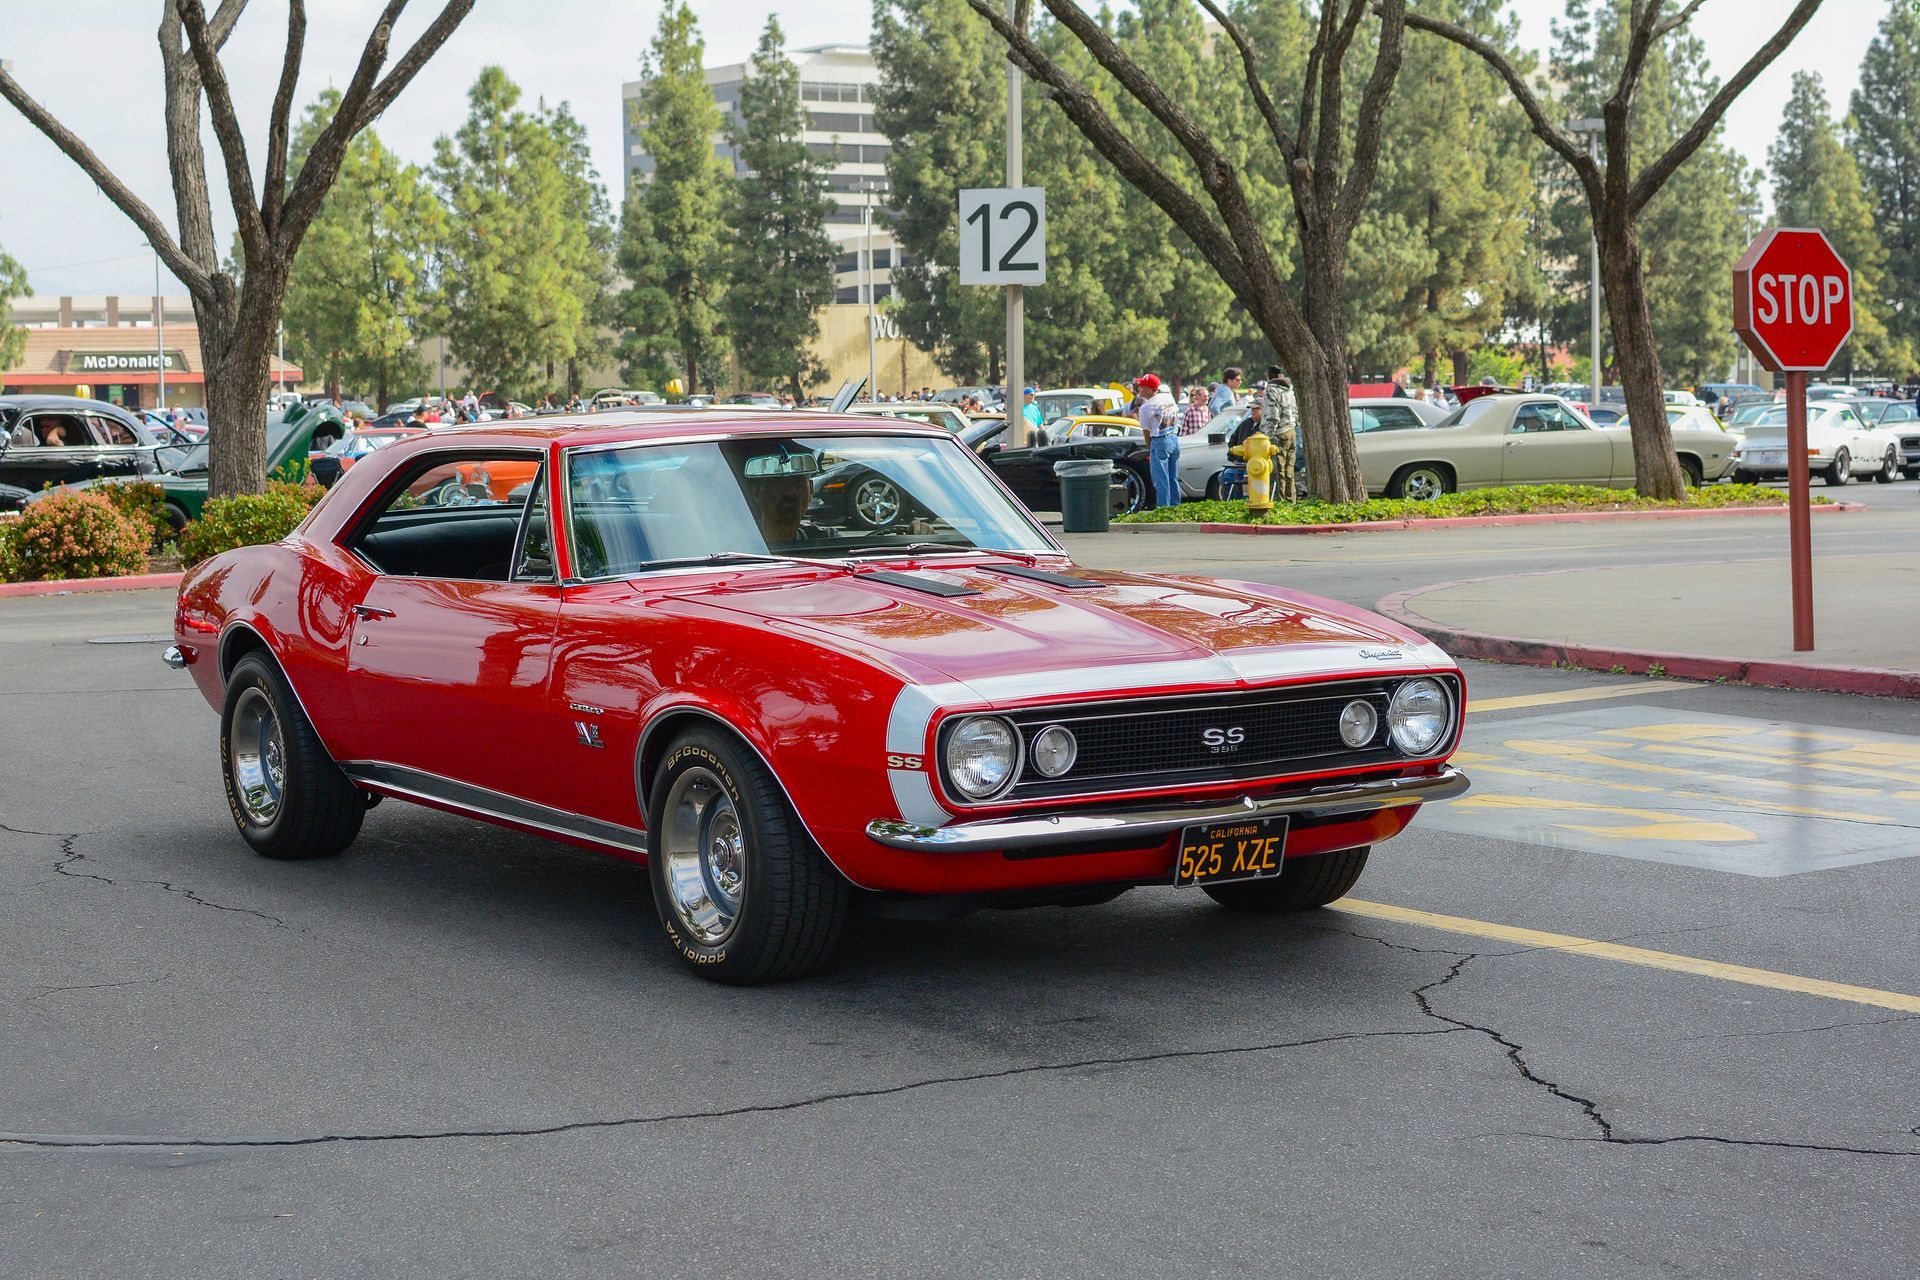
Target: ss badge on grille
[(1222, 741)]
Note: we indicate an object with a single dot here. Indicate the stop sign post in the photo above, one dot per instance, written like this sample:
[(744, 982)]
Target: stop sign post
[(1793, 307)]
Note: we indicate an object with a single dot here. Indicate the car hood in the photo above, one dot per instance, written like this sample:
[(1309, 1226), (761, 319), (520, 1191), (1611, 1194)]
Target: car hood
[(1132, 630)]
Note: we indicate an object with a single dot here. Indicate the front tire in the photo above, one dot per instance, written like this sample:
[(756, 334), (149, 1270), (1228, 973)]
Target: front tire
[(1304, 884), (744, 894), (286, 794), (1889, 469)]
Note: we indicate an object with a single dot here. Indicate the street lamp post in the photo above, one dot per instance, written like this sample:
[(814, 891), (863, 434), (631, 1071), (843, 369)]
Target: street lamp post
[(873, 372), (1592, 127), (1016, 294)]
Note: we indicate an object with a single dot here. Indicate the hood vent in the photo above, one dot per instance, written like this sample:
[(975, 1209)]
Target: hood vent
[(1033, 574), (914, 582)]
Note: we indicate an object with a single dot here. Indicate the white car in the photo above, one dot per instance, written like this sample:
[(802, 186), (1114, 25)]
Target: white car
[(1840, 446), (1077, 402), (1203, 456)]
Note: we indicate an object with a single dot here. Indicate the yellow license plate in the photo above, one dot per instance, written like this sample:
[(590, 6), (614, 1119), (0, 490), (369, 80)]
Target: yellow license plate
[(1243, 849)]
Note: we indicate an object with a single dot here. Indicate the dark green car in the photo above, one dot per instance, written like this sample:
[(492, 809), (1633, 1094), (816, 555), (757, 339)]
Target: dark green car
[(183, 472)]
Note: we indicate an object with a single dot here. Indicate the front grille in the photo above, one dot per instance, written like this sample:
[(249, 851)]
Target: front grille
[(1157, 742)]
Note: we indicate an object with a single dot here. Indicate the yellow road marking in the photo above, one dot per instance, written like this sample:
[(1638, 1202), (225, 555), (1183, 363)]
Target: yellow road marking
[(1667, 960), (1645, 789), (1654, 825), (1575, 695), (1576, 751)]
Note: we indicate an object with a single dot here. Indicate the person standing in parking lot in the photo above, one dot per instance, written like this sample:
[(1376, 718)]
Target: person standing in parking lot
[(1226, 390), (1160, 424), (1283, 426), (1198, 411)]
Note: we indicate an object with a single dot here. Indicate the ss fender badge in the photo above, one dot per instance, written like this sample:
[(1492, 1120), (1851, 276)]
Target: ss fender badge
[(906, 762), (1383, 655), (589, 733)]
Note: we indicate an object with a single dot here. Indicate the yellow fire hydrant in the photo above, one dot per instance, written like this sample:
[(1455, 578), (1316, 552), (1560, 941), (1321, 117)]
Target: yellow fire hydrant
[(1259, 451)]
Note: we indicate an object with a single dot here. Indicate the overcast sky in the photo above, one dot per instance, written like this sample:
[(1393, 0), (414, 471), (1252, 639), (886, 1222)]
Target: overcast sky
[(95, 65)]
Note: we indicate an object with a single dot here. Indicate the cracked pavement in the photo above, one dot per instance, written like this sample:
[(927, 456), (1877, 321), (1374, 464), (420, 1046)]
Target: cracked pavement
[(459, 1050)]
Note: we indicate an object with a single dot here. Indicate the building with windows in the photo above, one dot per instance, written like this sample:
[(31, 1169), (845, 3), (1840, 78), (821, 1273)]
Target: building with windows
[(836, 91), (110, 348)]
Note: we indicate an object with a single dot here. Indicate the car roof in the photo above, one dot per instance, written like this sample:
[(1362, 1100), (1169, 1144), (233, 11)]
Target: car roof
[(627, 426), (76, 403)]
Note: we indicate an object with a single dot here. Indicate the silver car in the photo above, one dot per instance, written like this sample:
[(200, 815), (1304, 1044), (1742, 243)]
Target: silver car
[(1204, 456)]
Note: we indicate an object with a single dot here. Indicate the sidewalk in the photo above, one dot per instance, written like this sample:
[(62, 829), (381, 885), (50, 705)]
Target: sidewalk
[(1725, 619)]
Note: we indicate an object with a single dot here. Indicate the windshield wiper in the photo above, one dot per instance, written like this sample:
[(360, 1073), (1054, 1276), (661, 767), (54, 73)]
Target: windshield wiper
[(731, 557), (913, 548)]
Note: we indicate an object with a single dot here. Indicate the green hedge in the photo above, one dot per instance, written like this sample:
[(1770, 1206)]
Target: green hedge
[(1525, 499), (71, 535), (247, 520)]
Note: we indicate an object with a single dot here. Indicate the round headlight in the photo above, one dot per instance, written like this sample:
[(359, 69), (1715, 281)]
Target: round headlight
[(1358, 721), (983, 754), (1418, 716), (1053, 751)]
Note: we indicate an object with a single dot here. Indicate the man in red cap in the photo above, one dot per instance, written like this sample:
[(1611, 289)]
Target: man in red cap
[(1160, 424)]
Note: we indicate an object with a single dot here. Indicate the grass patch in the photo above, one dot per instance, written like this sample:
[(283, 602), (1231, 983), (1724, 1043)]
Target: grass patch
[(1528, 499)]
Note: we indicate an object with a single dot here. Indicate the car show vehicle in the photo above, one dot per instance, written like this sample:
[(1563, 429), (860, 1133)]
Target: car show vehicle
[(1901, 418), (328, 464), (659, 652), (1523, 439), (1029, 472), (1839, 446), (1074, 402), (60, 440)]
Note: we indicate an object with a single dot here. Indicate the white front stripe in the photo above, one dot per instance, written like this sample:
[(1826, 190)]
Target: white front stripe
[(913, 793)]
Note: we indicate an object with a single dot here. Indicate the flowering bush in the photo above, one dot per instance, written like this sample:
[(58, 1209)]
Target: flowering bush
[(144, 503), (73, 535), (10, 570), (247, 520)]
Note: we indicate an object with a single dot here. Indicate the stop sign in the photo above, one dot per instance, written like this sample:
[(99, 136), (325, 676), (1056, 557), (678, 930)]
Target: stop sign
[(1792, 300)]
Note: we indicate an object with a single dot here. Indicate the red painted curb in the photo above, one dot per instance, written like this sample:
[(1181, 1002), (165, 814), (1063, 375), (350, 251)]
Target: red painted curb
[(134, 582), (1463, 522), (1521, 651)]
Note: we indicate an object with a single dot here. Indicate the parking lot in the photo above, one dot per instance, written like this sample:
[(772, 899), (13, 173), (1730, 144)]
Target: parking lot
[(1643, 1002)]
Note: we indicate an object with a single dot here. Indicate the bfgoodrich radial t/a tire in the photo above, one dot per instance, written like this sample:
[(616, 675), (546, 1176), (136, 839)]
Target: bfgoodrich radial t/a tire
[(286, 794), (1304, 884), (744, 894)]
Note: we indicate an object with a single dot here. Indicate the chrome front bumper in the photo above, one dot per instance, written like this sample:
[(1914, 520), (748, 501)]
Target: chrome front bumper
[(1039, 832)]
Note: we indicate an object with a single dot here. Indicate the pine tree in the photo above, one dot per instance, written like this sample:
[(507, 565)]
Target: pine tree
[(781, 270), (641, 312), (13, 284), (1817, 183), (359, 291), (519, 260), (1886, 140), (687, 194)]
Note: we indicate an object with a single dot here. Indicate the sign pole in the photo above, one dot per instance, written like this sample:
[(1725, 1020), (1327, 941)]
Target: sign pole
[(1016, 361), (1799, 513)]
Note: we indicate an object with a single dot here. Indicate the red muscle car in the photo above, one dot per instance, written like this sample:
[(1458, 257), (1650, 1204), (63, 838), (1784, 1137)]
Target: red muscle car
[(670, 647)]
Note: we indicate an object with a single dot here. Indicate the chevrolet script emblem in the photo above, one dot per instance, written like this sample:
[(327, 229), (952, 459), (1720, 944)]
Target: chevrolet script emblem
[(1383, 655)]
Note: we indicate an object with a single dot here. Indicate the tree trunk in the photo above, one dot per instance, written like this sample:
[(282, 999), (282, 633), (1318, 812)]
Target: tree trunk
[(1656, 470), (236, 345), (1333, 459)]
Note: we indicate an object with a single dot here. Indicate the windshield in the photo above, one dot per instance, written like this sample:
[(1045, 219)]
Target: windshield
[(646, 506), (1468, 412)]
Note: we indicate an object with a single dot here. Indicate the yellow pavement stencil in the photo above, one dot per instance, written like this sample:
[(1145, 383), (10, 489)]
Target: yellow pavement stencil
[(1756, 797), (1576, 695), (1573, 945)]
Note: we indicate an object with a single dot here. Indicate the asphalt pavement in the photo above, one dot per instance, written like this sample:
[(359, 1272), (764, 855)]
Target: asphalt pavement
[(463, 1051)]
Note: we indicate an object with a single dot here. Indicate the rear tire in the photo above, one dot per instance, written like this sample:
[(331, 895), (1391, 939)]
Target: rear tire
[(1420, 481), (744, 894), (286, 794), (1745, 477), (1841, 472), (1304, 884), (1691, 469)]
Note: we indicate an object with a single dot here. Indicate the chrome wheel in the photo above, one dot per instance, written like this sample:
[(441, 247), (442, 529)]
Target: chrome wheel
[(257, 756), (1842, 469), (1424, 484), (876, 502), (703, 856), (1139, 494)]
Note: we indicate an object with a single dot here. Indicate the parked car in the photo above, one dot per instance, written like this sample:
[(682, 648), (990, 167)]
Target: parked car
[(1720, 396), (1203, 456), (790, 722), (291, 440), (940, 415), (1094, 426), (760, 399), (1839, 446), (1692, 422), (1504, 440), (60, 440), (1073, 402), (1902, 419), (1029, 471), (956, 395)]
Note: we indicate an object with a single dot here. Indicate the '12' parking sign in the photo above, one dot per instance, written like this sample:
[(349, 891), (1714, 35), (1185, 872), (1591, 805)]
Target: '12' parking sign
[(1003, 235)]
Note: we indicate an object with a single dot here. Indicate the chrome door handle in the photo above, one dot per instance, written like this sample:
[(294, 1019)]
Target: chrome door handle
[(367, 612)]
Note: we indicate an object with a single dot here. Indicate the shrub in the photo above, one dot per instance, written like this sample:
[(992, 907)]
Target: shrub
[(306, 491), (10, 570), (73, 535), (245, 521), (144, 503)]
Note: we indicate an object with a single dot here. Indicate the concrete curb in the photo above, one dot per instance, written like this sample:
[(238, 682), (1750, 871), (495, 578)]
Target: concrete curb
[(1467, 522), (135, 582), (1522, 651)]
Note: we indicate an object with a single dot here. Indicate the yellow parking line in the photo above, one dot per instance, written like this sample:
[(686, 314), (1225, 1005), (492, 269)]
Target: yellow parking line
[(1575, 695), (1634, 955)]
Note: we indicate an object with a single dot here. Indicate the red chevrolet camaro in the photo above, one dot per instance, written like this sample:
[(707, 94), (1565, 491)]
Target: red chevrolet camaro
[(682, 644)]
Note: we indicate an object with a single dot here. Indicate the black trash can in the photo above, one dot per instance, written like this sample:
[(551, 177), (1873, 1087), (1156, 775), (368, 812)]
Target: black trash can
[(1086, 487)]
